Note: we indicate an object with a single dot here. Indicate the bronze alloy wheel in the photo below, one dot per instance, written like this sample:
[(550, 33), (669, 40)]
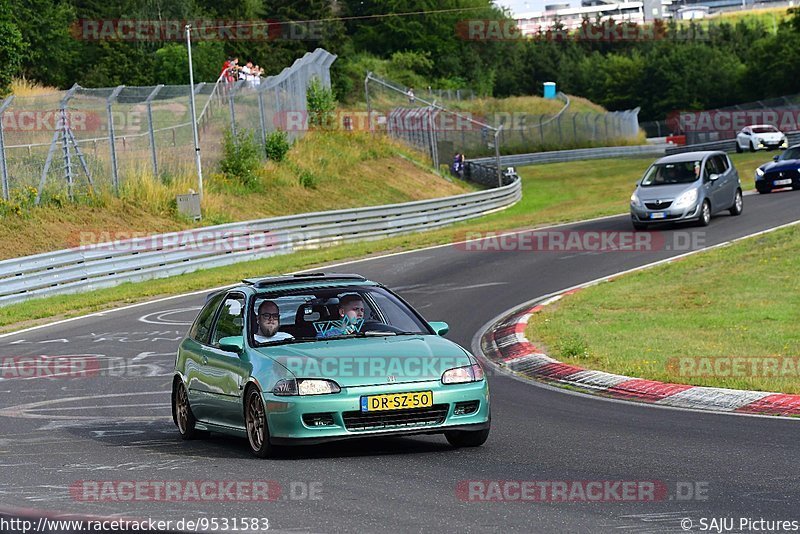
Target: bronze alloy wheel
[(182, 409), (184, 417), (256, 420)]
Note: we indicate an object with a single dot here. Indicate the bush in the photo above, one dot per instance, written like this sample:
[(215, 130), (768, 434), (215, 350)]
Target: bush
[(308, 180), (277, 145), (321, 104), (21, 202), (241, 157)]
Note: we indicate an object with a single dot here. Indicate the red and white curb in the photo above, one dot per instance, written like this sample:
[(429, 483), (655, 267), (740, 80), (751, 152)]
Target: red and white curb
[(505, 345)]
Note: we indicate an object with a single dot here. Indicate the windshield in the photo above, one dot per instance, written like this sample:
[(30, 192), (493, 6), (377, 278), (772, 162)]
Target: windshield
[(764, 129), (330, 313), (683, 172), (792, 153)]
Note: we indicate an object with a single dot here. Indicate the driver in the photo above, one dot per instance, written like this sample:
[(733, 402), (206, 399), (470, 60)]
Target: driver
[(269, 320), (351, 313)]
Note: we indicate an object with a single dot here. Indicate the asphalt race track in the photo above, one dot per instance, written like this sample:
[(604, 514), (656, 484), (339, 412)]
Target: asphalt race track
[(56, 432)]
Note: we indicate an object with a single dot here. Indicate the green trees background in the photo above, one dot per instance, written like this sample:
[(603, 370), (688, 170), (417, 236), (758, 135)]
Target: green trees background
[(723, 65)]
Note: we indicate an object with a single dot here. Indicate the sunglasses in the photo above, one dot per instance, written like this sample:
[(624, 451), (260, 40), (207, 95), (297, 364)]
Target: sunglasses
[(269, 316)]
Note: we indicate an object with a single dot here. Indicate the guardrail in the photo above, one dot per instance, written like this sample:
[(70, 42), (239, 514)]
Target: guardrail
[(559, 156), (726, 145), (100, 265)]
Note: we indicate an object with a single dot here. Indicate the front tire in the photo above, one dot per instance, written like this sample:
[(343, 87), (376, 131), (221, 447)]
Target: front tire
[(182, 412), (467, 438), (752, 147), (738, 147), (705, 214), (639, 226), (256, 422), (738, 204)]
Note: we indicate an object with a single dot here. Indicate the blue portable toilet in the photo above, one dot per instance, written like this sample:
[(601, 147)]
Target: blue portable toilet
[(549, 89)]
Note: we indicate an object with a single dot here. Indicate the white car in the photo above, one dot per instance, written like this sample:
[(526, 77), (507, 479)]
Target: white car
[(760, 136)]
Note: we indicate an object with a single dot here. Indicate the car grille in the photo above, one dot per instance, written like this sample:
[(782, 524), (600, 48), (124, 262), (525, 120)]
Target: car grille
[(654, 206), (787, 174), (413, 417)]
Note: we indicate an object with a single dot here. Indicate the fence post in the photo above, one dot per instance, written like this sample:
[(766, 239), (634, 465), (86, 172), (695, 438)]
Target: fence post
[(262, 118), (233, 111), (369, 105), (432, 133), (575, 128), (58, 130), (541, 128), (560, 135), (3, 164), (65, 149), (497, 156), (148, 102), (114, 170)]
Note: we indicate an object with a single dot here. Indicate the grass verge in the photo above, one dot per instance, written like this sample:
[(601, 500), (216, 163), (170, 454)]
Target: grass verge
[(323, 171), (687, 321)]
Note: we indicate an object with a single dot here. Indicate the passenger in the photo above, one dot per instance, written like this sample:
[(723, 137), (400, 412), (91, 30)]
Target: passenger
[(269, 320)]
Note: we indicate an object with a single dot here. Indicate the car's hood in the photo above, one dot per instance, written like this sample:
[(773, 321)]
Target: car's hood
[(662, 192), (371, 360), (783, 165)]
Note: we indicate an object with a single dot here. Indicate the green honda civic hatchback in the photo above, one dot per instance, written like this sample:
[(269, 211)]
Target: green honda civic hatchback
[(311, 358)]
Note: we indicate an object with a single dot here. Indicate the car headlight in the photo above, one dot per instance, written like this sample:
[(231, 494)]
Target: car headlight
[(305, 386), (635, 200), (759, 173), (686, 199), (460, 375)]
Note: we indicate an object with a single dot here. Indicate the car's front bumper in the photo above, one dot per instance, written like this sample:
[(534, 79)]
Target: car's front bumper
[(772, 145), (648, 216), (287, 425), (778, 180)]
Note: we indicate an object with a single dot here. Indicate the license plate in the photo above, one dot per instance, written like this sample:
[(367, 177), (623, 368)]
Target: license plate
[(659, 215), (397, 401), (783, 182)]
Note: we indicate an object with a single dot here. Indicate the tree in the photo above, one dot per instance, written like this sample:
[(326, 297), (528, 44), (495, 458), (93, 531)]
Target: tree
[(172, 62), (52, 54), (11, 48)]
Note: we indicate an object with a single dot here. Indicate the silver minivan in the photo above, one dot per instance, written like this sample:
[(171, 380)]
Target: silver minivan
[(691, 186)]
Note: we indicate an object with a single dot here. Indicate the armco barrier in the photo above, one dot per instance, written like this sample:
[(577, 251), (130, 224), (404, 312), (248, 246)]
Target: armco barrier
[(107, 264), (578, 154), (726, 145)]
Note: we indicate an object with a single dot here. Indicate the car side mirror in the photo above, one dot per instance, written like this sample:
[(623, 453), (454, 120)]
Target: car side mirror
[(232, 344), (713, 177), (440, 327), (775, 158)]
